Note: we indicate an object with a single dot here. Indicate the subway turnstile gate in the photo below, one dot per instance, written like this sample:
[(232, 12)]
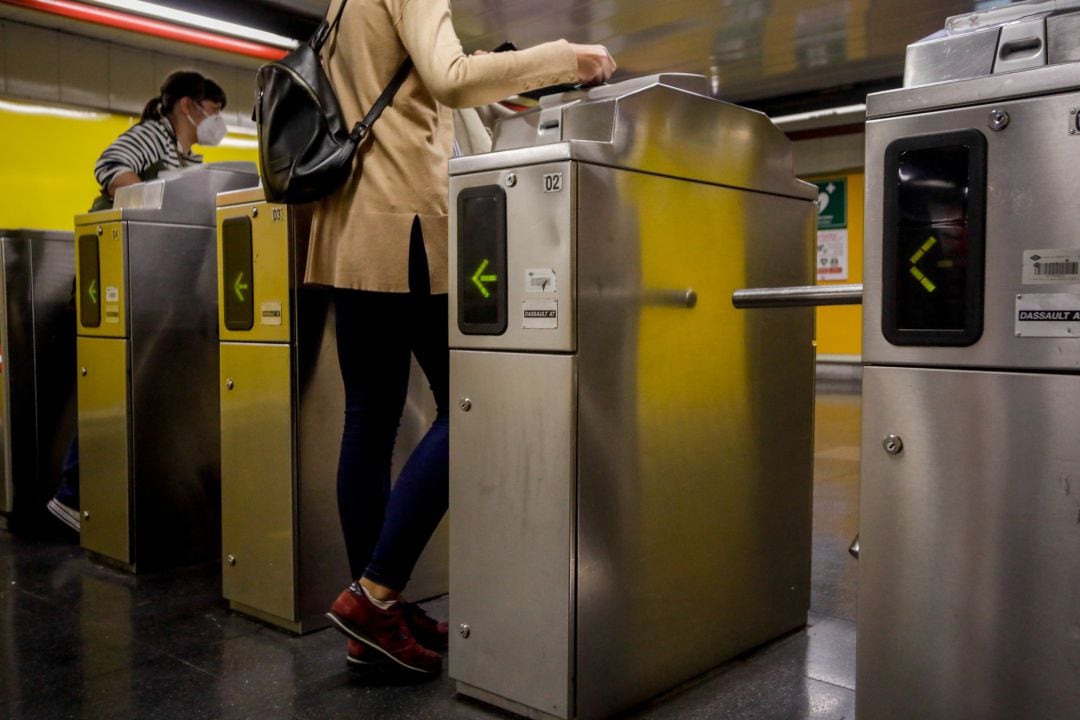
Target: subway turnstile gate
[(631, 457), (148, 364), (969, 565), (37, 356), (282, 404)]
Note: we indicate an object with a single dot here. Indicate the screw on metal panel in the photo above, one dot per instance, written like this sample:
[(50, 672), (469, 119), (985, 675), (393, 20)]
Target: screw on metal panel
[(511, 180), (892, 444), (86, 514), (231, 559), (465, 404), (464, 630), (229, 384), (998, 120), (254, 212)]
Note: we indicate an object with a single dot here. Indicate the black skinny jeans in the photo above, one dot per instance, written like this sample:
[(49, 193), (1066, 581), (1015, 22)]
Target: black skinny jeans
[(385, 531)]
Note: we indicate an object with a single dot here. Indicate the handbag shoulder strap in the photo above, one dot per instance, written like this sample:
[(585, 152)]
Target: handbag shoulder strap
[(361, 129), (325, 28)]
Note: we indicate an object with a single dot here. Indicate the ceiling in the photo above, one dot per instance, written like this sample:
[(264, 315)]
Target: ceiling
[(775, 54)]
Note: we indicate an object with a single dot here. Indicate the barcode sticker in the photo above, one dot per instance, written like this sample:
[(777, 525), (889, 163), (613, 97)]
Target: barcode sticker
[(1044, 267)]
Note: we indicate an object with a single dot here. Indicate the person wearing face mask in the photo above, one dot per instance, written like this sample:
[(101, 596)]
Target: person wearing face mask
[(187, 112)]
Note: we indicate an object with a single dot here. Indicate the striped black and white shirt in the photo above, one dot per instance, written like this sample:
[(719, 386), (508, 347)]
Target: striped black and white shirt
[(139, 148)]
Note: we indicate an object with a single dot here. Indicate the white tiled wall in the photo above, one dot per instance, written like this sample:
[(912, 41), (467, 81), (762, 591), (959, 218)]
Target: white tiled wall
[(56, 66)]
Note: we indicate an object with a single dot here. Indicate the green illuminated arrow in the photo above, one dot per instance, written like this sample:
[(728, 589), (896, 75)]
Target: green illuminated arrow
[(239, 286), (479, 278), (92, 292), (927, 284)]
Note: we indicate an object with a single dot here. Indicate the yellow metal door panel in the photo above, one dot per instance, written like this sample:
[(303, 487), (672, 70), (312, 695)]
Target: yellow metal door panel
[(257, 489), (269, 284), (108, 291), (104, 447)]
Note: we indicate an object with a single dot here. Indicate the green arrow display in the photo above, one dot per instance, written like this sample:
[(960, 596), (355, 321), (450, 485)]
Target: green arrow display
[(92, 292), (239, 286), (479, 278), (918, 274)]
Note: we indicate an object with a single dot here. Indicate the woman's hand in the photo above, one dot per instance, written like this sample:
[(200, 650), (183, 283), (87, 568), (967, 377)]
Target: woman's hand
[(594, 62)]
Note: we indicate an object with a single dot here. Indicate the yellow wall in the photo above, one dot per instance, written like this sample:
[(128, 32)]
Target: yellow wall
[(839, 328), (47, 165)]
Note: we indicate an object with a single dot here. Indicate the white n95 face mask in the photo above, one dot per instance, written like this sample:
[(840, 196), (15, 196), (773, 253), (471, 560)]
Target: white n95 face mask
[(211, 131)]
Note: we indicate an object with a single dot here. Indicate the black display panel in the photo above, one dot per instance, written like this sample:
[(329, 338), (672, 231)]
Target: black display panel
[(481, 247), (89, 282), (239, 282), (934, 239)]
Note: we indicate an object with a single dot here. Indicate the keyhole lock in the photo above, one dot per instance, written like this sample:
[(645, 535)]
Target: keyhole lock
[(83, 371), (893, 444), (998, 120), (231, 559), (229, 384), (464, 630), (465, 404)]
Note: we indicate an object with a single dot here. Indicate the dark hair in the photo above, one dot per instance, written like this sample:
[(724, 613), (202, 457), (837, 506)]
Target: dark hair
[(181, 84)]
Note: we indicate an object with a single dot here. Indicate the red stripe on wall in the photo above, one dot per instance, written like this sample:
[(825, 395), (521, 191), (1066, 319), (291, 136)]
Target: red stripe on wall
[(149, 26)]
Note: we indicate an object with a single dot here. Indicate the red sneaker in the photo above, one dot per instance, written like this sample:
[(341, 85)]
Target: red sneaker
[(428, 631), (361, 655), (385, 631)]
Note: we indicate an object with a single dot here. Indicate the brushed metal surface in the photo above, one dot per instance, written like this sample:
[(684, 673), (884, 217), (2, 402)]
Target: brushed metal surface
[(968, 571), (960, 93), (172, 301), (1029, 206), (512, 500), (694, 440), (941, 59), (258, 525), (540, 234), (112, 263), (273, 281), (655, 125), (37, 362), (105, 477)]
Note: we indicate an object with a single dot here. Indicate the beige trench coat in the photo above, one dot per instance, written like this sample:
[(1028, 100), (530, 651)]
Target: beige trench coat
[(360, 234)]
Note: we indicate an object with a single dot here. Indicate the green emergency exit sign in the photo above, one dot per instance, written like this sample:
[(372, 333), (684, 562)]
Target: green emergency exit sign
[(832, 204)]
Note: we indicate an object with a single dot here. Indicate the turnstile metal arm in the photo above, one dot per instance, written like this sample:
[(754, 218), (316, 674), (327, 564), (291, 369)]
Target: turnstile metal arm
[(797, 296)]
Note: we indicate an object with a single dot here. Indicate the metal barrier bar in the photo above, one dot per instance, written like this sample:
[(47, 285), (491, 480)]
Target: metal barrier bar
[(797, 296)]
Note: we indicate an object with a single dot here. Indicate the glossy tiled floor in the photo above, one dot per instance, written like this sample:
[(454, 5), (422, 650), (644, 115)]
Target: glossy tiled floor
[(81, 641)]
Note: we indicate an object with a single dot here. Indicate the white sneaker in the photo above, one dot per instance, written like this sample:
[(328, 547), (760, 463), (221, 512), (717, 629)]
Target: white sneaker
[(65, 514)]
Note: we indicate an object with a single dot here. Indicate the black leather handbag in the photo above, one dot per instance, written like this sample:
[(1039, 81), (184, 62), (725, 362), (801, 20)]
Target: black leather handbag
[(306, 149)]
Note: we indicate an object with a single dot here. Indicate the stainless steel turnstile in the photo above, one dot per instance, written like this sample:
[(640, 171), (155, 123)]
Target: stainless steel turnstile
[(282, 404), (37, 357), (969, 567), (631, 457), (148, 366)]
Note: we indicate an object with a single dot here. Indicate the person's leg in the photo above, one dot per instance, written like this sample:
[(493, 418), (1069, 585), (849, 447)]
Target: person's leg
[(420, 496), (373, 353), (64, 505), (381, 623)]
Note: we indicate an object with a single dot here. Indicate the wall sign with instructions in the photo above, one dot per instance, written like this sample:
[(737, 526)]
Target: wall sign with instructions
[(1044, 267)]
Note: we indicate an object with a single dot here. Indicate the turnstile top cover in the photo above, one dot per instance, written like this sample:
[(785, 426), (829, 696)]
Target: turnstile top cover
[(187, 196), (663, 124)]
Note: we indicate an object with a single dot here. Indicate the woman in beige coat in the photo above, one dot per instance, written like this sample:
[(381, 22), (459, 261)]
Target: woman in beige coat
[(381, 242)]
